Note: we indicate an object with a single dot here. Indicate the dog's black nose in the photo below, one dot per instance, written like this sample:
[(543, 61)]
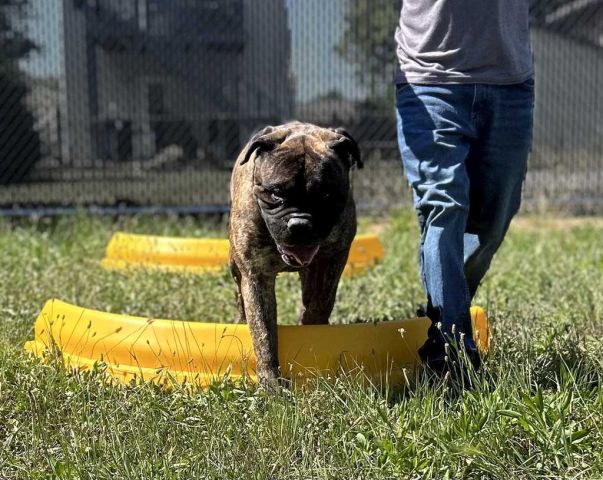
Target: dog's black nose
[(299, 225)]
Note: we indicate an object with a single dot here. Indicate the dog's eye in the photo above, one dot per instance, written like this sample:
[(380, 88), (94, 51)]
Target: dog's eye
[(276, 199), (271, 197)]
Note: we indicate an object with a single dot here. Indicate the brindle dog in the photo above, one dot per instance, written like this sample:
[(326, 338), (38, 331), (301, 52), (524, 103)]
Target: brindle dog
[(292, 210)]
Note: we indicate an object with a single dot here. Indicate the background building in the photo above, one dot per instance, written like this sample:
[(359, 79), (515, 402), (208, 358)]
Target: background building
[(141, 76)]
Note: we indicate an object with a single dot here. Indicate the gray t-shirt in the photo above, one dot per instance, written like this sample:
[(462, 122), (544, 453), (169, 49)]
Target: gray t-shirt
[(464, 41)]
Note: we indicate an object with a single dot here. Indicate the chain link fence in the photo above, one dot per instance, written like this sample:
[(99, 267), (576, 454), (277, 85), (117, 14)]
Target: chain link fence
[(146, 103)]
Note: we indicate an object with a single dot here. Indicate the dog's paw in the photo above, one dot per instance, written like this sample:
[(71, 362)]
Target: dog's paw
[(275, 385)]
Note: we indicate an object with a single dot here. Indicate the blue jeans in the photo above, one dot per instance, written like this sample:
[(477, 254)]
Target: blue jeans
[(464, 151)]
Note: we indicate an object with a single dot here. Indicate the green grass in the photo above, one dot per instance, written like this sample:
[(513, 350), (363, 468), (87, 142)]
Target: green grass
[(536, 413)]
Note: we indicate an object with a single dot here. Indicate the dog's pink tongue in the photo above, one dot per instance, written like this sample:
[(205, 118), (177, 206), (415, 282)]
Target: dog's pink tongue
[(303, 254)]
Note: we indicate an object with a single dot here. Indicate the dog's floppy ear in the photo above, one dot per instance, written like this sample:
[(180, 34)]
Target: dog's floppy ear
[(346, 146), (265, 140)]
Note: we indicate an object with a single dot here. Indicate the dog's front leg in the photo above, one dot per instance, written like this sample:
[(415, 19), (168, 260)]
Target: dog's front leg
[(236, 274), (319, 284), (259, 302)]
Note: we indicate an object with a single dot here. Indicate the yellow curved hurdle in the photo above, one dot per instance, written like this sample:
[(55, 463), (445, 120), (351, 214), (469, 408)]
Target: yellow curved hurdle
[(203, 255), (162, 351)]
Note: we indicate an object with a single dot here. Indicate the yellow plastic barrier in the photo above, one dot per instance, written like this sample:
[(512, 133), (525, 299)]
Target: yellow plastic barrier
[(202, 255), (200, 353)]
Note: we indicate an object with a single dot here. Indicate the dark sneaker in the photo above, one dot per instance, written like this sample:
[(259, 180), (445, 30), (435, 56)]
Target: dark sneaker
[(443, 353)]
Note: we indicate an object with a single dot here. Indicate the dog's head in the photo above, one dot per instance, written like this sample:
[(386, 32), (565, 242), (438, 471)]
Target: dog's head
[(301, 184)]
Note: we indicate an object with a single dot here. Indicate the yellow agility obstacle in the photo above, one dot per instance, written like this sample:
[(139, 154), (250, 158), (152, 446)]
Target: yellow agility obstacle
[(162, 351), (203, 255)]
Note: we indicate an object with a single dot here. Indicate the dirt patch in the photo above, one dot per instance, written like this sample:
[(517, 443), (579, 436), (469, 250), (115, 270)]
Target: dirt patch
[(523, 223), (540, 223), (376, 228)]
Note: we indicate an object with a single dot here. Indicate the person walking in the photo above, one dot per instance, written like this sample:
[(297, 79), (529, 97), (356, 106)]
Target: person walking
[(464, 102)]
